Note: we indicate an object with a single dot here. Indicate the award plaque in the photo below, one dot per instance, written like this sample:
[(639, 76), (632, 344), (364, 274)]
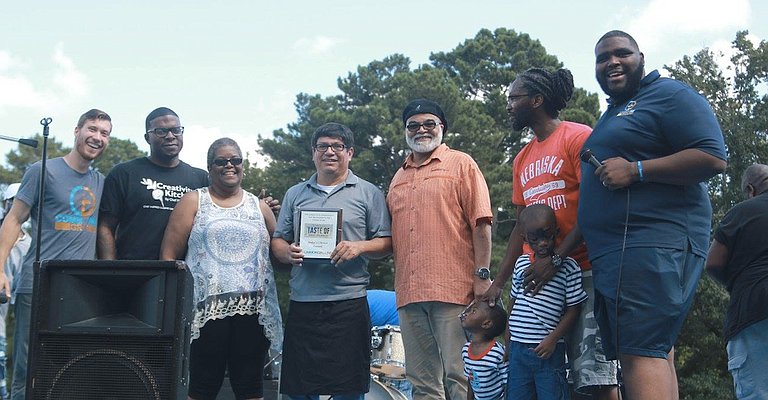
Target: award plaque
[(319, 232)]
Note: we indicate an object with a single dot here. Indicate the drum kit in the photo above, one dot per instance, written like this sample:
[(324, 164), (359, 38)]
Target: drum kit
[(387, 363)]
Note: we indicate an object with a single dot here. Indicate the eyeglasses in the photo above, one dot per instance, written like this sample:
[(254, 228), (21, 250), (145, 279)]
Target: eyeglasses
[(323, 147), (415, 126), (223, 161), (163, 132)]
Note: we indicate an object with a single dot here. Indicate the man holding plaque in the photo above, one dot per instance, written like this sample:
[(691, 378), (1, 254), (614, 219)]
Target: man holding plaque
[(441, 220), (328, 228)]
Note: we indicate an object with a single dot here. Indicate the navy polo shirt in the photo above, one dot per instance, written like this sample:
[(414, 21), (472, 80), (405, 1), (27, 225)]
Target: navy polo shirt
[(664, 117)]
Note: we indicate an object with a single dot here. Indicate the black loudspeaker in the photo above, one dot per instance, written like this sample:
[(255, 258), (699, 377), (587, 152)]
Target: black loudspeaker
[(110, 330)]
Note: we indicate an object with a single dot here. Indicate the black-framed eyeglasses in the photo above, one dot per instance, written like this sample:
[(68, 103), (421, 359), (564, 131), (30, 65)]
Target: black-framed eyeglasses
[(414, 126), (517, 96), (163, 132), (323, 147), (223, 161)]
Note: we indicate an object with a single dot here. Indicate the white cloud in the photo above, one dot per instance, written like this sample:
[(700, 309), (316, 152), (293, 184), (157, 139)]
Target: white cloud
[(67, 76), (315, 45), (17, 90), (198, 138), (662, 21), (7, 61)]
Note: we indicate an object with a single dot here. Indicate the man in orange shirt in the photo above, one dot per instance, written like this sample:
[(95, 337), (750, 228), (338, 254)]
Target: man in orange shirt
[(441, 237), (547, 171)]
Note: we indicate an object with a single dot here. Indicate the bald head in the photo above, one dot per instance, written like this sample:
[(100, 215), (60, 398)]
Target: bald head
[(755, 180)]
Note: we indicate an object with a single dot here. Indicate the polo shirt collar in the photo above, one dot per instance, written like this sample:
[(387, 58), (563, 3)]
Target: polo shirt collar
[(647, 80), (351, 179), (437, 154)]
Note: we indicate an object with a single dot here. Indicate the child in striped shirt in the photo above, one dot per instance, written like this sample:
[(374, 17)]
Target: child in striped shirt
[(537, 323), (484, 362)]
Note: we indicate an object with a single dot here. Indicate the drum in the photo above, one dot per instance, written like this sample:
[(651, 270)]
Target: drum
[(380, 391), (387, 352)]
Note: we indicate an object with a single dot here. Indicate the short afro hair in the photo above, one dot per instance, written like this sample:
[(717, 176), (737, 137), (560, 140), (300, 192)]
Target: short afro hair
[(499, 318)]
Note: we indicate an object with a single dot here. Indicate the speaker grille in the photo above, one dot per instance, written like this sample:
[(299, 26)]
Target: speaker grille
[(104, 367)]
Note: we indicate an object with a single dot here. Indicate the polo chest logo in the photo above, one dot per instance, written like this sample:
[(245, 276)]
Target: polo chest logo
[(629, 109)]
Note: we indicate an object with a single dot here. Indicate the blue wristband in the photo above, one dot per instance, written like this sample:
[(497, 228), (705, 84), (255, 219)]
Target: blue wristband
[(640, 170)]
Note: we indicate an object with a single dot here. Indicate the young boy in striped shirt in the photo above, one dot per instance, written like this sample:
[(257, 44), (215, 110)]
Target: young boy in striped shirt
[(484, 362), (538, 323)]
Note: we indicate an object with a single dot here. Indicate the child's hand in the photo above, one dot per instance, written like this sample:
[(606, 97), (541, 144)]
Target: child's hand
[(546, 347)]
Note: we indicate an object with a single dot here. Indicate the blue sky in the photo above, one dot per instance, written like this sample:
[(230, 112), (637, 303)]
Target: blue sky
[(233, 68)]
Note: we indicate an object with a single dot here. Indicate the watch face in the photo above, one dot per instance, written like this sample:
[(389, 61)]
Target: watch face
[(556, 260), (483, 273)]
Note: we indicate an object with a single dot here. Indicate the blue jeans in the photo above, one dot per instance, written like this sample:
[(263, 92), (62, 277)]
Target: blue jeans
[(334, 397), (23, 311), (748, 361), (532, 378), (403, 385)]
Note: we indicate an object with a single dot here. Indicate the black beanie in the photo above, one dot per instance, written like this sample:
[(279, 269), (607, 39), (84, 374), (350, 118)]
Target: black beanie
[(424, 106)]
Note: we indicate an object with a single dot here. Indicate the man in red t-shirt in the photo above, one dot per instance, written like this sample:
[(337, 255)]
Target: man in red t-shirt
[(547, 171)]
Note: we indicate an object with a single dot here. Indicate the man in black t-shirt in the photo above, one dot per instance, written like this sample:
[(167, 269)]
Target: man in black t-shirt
[(738, 258), (140, 194)]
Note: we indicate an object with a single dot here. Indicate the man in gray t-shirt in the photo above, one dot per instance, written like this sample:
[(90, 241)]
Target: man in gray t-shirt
[(328, 316), (70, 213)]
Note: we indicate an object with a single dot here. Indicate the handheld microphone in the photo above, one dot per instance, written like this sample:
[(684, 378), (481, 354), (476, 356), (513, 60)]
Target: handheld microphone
[(588, 157)]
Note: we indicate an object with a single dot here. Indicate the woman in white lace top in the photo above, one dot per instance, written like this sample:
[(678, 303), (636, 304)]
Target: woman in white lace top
[(224, 232)]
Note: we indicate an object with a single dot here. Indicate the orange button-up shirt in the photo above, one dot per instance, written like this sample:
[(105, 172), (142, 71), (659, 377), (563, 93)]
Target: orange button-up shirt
[(435, 206)]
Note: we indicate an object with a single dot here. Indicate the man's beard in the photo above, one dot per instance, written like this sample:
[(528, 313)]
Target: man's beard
[(424, 147), (521, 119), (633, 82)]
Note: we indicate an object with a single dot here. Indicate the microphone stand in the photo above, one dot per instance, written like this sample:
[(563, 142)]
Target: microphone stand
[(41, 191)]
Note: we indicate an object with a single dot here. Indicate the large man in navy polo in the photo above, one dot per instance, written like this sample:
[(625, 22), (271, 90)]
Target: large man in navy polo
[(645, 213)]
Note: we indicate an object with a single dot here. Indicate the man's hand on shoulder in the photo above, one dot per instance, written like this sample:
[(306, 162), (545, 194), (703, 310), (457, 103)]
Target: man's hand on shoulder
[(274, 204), (538, 274)]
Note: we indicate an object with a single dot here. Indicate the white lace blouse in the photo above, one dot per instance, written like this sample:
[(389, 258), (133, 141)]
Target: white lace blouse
[(228, 255)]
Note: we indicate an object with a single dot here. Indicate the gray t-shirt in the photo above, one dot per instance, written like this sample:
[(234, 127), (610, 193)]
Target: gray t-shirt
[(365, 216), (70, 215)]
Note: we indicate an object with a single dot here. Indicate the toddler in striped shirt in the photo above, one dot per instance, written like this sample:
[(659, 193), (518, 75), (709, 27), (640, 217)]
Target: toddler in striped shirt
[(484, 362), (537, 323)]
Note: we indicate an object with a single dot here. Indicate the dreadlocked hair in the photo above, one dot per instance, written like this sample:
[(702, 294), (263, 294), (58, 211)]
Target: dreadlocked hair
[(555, 86)]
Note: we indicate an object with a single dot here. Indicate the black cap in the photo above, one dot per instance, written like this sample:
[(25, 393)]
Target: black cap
[(424, 106)]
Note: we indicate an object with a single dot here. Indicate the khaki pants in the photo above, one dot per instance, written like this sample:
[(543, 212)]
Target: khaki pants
[(433, 338)]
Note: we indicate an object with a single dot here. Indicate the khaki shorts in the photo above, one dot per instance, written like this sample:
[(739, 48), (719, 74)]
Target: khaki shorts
[(589, 366)]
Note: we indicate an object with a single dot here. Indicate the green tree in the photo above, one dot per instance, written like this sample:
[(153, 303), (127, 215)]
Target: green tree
[(469, 82), (119, 150), (742, 111), (18, 160)]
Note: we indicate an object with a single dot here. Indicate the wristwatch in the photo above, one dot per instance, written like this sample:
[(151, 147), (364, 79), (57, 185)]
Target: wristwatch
[(483, 273), (557, 260)]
